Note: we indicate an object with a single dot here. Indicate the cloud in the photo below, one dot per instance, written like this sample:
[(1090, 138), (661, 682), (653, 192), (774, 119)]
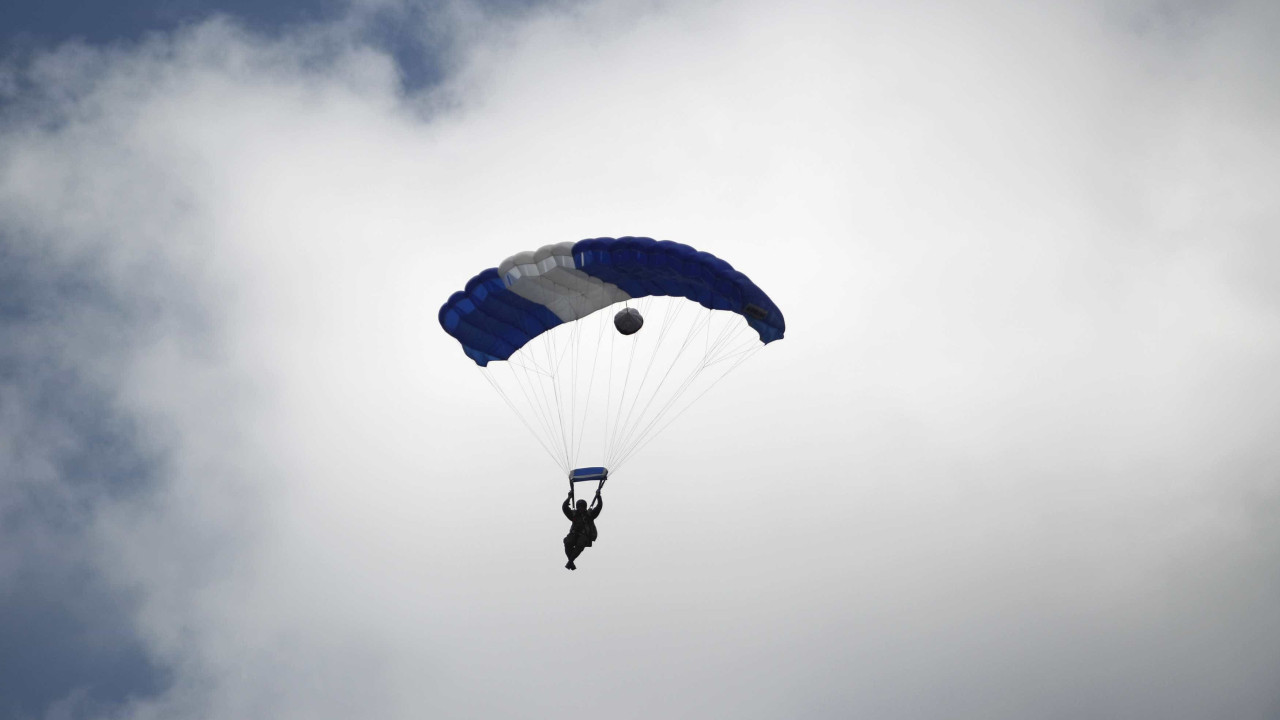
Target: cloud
[(1012, 459)]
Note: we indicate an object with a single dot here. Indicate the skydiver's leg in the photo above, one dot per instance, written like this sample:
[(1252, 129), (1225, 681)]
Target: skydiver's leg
[(572, 549)]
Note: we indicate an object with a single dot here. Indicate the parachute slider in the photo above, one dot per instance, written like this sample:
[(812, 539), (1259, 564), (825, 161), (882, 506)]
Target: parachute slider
[(585, 475), (589, 474)]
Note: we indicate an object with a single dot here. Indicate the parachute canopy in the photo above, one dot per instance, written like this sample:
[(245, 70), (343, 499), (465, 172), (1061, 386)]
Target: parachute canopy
[(554, 331), (503, 308)]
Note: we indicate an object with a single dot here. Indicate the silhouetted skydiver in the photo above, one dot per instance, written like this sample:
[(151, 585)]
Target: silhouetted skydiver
[(583, 531)]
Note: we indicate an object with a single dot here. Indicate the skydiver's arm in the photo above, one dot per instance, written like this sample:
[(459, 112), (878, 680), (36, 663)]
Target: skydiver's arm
[(564, 508), (598, 505)]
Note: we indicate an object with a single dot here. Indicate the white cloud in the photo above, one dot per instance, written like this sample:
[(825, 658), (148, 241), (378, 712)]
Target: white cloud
[(1017, 432)]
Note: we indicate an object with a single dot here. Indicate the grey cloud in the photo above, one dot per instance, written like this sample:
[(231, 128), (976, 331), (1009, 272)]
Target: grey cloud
[(64, 452), (1012, 460)]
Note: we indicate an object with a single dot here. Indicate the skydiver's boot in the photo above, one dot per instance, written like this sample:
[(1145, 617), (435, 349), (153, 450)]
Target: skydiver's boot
[(570, 565)]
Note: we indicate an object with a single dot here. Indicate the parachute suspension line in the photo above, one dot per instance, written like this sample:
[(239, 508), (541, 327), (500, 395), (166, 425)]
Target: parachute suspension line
[(574, 423), (725, 338), (569, 392), (633, 438), (622, 395), (629, 434), (620, 422), (726, 333), (689, 382), (653, 429), (608, 402), (538, 400), (573, 391), (669, 318), (608, 407), (520, 415), (734, 352), (706, 337), (535, 410), (549, 403), (564, 396), (690, 404), (554, 364), (586, 404), (557, 401), (693, 331)]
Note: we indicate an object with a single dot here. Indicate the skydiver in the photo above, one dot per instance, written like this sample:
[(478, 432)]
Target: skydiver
[(583, 531)]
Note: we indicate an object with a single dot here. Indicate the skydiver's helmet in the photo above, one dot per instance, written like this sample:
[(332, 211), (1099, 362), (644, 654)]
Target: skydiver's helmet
[(582, 505), (628, 321)]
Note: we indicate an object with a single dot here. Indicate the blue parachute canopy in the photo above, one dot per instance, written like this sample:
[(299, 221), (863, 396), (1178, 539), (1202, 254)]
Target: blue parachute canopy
[(503, 308)]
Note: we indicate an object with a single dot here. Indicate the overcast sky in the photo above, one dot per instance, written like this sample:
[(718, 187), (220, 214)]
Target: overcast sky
[(1015, 457)]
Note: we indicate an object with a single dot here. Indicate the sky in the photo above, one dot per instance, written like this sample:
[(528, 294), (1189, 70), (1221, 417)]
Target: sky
[(1014, 457)]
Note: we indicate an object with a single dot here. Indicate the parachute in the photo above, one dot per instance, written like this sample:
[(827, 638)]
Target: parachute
[(599, 345)]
